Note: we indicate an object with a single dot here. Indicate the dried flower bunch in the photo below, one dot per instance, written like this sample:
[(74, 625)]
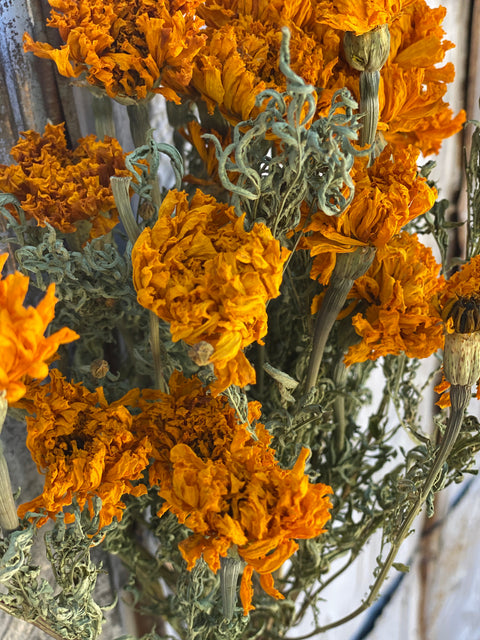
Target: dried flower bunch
[(204, 426)]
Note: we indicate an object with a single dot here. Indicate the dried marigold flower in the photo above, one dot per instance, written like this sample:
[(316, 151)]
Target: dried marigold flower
[(210, 279), (63, 187), (24, 348), (397, 297), (131, 49), (226, 486), (85, 447), (387, 196), (412, 108)]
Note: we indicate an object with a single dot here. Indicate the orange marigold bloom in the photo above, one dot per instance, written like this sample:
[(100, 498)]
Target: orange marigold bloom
[(226, 486), (388, 194), (360, 16), (129, 48), (24, 349), (62, 187), (210, 279), (240, 59), (397, 297), (412, 109), (85, 447)]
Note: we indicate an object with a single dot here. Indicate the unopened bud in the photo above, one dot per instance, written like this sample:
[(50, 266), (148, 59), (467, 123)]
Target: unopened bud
[(461, 358), (369, 51), (201, 353), (146, 210), (99, 368)]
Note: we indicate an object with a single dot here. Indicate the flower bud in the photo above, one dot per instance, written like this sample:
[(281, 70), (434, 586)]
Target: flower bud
[(369, 51), (461, 358), (99, 368)]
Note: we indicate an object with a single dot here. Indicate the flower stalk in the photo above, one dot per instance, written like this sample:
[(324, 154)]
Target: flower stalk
[(348, 267), (462, 369), (120, 188), (8, 511), (139, 118), (103, 116), (368, 53)]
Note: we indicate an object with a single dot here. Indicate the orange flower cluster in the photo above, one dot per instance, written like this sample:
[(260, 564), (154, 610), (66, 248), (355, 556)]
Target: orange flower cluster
[(240, 59), (226, 486), (387, 196), (85, 446), (129, 48), (62, 187), (360, 16), (24, 349), (398, 291), (210, 279)]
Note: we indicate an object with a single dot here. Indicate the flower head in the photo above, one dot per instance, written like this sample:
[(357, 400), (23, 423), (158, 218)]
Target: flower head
[(413, 110), (360, 16), (63, 187), (387, 196), (24, 348), (227, 487), (129, 48), (210, 279), (396, 296), (85, 447)]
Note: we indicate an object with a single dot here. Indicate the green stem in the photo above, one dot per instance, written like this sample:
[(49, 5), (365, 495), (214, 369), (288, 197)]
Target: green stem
[(8, 511), (348, 267), (139, 117), (340, 378), (120, 188), (103, 116)]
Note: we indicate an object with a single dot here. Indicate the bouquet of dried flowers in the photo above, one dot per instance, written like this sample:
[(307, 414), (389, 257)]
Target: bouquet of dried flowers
[(213, 341)]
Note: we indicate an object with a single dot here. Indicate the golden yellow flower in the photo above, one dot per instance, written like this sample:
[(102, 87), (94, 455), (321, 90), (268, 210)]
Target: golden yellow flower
[(360, 16), (85, 447), (129, 48), (412, 108), (62, 187), (396, 298), (24, 348), (240, 59), (227, 487), (210, 279), (388, 194)]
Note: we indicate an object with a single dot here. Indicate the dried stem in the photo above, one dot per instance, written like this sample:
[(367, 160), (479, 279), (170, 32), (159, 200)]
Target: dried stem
[(120, 188), (8, 510), (348, 267)]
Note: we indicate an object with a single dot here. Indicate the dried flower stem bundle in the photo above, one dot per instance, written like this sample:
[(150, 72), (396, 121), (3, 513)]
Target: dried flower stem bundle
[(245, 477)]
